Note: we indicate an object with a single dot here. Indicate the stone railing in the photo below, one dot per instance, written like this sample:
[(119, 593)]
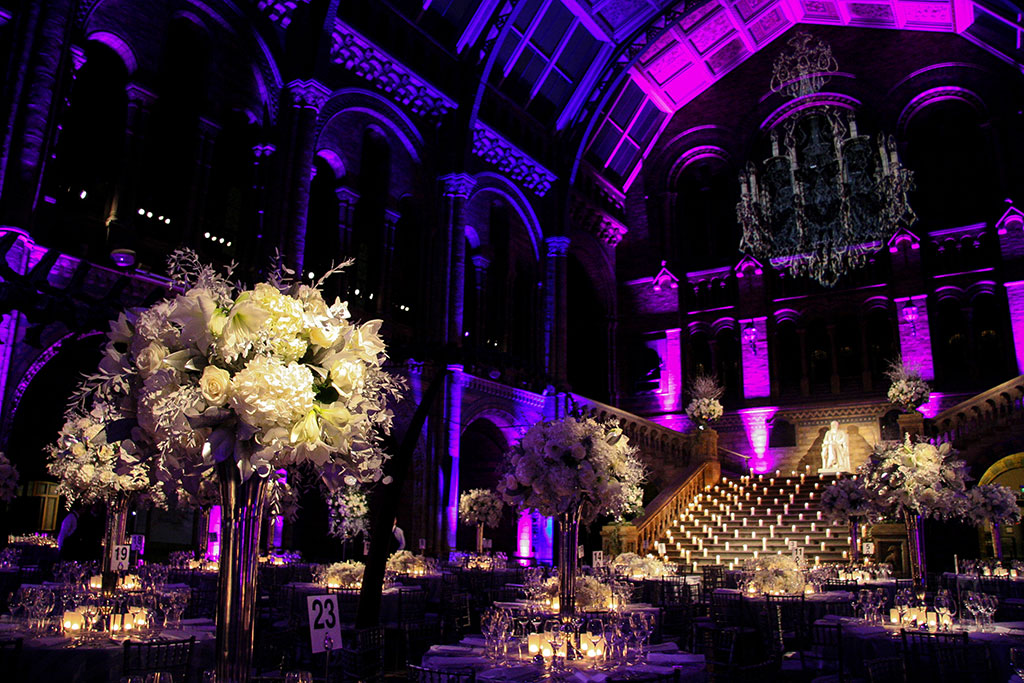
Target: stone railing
[(663, 512), (665, 450), (999, 406)]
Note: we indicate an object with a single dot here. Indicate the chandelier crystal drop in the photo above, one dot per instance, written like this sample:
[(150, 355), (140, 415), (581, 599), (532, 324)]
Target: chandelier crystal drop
[(828, 196)]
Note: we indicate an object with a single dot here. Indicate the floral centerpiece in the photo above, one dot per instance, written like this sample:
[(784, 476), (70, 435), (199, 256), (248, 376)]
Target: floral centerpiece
[(573, 468), (592, 595), (283, 497), (249, 381), (775, 575), (851, 501), (92, 467), (348, 512), (908, 390), (481, 508), (992, 504), (404, 562), (918, 481), (704, 407), (649, 567), (8, 480), (348, 574)]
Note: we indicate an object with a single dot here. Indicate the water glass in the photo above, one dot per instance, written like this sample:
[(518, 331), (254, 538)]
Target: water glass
[(298, 677), (160, 677)]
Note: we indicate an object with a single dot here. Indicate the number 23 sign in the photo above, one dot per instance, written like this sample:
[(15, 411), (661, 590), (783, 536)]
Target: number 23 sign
[(324, 625)]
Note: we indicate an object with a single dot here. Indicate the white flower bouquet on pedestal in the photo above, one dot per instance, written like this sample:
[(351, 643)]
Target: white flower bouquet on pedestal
[(850, 499), (704, 407), (775, 575), (992, 504), (480, 507), (635, 566), (908, 390), (348, 512), (918, 478)]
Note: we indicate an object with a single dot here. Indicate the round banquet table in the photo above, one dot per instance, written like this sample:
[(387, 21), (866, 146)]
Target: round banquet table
[(869, 641), (390, 604), (469, 655), (816, 604), (54, 658)]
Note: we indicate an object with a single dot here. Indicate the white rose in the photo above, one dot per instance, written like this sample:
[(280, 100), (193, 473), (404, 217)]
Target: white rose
[(215, 385), (149, 359)]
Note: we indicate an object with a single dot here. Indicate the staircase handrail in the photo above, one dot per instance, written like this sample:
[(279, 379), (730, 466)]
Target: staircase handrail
[(661, 513), (646, 434), (979, 412)]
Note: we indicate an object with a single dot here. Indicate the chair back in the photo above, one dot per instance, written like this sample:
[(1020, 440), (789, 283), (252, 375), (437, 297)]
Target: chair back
[(727, 608), (174, 657), (421, 674), (787, 617), (10, 656), (360, 657), (924, 652), (885, 670)]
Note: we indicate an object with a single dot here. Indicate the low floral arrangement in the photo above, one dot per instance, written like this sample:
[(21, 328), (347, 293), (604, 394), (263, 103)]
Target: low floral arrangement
[(704, 406), (850, 498), (480, 507), (404, 562), (635, 566), (592, 595), (92, 468), (498, 560), (576, 463), (992, 504), (908, 390), (8, 480), (348, 574), (918, 478), (775, 575), (32, 539), (348, 513)]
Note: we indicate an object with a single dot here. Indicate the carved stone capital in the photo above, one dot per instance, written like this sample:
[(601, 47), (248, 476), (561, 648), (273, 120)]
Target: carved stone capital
[(601, 224), (457, 185), (78, 57), (346, 195), (138, 95), (480, 262), (308, 94), (495, 149), (264, 150), (557, 246)]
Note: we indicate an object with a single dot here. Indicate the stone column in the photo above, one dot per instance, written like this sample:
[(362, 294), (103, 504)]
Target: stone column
[(38, 42), (307, 97), (805, 372), (555, 302), (915, 335), (391, 219), (613, 357), (251, 251), (453, 414), (480, 263), (835, 358), (865, 359), (208, 131), (347, 199), (455, 188), (123, 203)]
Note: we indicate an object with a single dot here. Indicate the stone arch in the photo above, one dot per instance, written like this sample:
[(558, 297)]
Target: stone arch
[(598, 263), (120, 47), (488, 182), (334, 160), (481, 451)]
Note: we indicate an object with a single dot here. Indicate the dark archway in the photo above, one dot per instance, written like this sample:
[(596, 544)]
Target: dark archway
[(587, 335), (481, 452)]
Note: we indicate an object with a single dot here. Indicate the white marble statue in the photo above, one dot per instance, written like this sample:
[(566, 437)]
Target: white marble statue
[(835, 450)]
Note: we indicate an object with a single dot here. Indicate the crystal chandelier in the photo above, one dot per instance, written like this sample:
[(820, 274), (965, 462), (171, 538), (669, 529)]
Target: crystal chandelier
[(828, 196)]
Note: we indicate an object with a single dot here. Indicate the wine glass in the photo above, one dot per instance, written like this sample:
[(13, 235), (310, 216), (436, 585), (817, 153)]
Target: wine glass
[(595, 634), (555, 637), (298, 677)]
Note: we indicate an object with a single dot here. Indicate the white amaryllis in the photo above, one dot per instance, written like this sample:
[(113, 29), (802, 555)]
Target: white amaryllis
[(92, 468), (574, 463), (775, 575), (480, 506), (992, 503), (8, 480), (265, 377)]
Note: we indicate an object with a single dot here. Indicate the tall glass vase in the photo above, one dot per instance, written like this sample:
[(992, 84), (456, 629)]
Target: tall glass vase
[(113, 533), (854, 544), (242, 505), (915, 540), (997, 541), (568, 540), (480, 539)]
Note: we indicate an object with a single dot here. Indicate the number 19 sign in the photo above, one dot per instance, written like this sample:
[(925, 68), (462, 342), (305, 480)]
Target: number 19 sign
[(324, 626), (119, 557)]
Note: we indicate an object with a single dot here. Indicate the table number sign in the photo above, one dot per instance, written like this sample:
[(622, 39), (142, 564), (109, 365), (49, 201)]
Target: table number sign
[(139, 543), (868, 548), (598, 558), (579, 552), (119, 557), (324, 622)]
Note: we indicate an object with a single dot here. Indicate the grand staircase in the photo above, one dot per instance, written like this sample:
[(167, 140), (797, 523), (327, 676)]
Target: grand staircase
[(742, 518)]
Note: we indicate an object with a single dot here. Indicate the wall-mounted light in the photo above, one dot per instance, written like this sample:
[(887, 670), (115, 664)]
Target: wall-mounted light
[(910, 316), (750, 337)]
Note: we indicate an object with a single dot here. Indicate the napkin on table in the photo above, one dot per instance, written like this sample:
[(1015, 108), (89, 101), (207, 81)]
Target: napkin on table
[(675, 658), (667, 646), (590, 677), (473, 641), (454, 649), (451, 662), (50, 641), (523, 672)]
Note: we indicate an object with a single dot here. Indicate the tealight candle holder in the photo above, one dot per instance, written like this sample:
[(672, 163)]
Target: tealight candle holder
[(73, 622)]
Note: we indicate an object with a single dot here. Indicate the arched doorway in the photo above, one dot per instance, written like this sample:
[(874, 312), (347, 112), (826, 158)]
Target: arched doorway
[(481, 453)]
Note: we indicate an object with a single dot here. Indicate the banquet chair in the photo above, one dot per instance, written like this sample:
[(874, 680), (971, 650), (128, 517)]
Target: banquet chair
[(202, 602), (922, 652), (787, 620), (348, 603), (825, 652), (174, 657), (885, 670), (712, 577), (727, 609), (360, 656), (420, 674), (10, 656)]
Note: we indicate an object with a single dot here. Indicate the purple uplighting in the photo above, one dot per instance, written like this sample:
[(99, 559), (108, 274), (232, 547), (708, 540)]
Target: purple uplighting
[(756, 424)]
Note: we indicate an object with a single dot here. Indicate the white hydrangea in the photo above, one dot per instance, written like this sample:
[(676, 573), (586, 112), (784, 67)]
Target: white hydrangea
[(269, 393), (480, 506)]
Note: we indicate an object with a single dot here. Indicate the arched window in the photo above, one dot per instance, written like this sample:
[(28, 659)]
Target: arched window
[(951, 344), (947, 149), (709, 234), (878, 334), (727, 352), (323, 239), (587, 334), (368, 237), (228, 209), (786, 348), (988, 338)]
